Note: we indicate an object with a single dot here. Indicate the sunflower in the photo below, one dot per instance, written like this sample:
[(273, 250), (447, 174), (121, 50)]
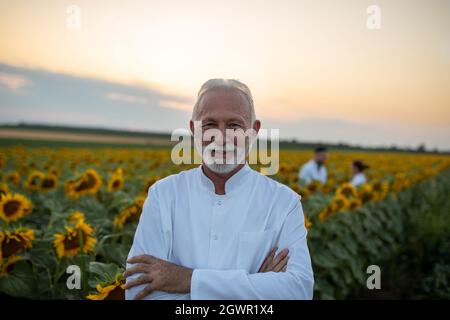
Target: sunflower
[(54, 171), (325, 213), (117, 181), (13, 177), (49, 182), (114, 291), (7, 265), (89, 183), (307, 223), (339, 203), (14, 206), (3, 189), (365, 193), (76, 238), (69, 189), (76, 216), (347, 190), (380, 189), (354, 204), (313, 186), (13, 242), (130, 214), (34, 180)]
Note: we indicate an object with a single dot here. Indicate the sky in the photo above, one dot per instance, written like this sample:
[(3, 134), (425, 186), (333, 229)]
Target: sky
[(316, 70)]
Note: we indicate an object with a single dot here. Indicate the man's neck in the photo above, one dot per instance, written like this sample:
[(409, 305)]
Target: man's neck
[(219, 179)]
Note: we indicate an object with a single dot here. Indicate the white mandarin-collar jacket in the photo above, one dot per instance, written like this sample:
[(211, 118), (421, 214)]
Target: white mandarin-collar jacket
[(225, 238)]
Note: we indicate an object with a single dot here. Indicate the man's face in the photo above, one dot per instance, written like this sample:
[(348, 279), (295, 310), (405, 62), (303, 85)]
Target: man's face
[(321, 157), (227, 113)]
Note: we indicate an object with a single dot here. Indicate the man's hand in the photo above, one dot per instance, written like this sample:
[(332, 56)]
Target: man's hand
[(159, 275), (275, 264)]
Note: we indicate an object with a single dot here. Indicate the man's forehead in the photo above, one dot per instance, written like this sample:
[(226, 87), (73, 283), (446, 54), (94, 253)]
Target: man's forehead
[(224, 97), (226, 103)]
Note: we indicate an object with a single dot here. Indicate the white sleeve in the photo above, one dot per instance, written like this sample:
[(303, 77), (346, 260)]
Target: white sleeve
[(295, 283), (152, 237)]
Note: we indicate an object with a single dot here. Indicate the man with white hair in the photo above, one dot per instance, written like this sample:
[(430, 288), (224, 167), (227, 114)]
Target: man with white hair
[(221, 230)]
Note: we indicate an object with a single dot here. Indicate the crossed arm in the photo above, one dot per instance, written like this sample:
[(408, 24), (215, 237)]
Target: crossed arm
[(161, 275), (286, 275)]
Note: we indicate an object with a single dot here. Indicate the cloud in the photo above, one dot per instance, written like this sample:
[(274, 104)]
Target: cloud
[(56, 98), (114, 96), (12, 81)]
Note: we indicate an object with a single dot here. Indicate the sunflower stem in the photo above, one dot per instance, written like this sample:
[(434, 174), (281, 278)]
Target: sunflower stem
[(84, 272)]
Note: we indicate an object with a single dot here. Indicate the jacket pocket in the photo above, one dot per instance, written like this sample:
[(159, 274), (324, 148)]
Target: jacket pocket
[(253, 247)]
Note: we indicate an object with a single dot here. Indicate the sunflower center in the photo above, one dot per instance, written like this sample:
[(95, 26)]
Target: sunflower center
[(34, 181), (74, 241), (367, 196), (134, 217), (87, 183), (48, 183), (11, 207), (347, 191), (116, 183), (12, 247), (116, 294)]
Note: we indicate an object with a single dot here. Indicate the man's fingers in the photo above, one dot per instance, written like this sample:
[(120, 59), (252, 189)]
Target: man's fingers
[(142, 294), (136, 282), (138, 268), (282, 264), (272, 252), (280, 256), (145, 258), (268, 260)]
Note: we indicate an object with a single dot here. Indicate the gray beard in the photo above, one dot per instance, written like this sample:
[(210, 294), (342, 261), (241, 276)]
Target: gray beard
[(221, 168)]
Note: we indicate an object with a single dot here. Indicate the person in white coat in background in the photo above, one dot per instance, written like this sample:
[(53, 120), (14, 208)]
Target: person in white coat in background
[(358, 168), (314, 169), (220, 230)]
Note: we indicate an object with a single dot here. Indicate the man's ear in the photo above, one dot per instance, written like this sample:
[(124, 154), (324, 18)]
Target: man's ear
[(191, 126), (256, 125)]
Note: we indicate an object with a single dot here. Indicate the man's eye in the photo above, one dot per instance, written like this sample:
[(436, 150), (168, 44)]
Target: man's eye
[(234, 125)]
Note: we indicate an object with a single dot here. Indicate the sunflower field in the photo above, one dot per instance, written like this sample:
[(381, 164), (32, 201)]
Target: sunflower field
[(66, 207)]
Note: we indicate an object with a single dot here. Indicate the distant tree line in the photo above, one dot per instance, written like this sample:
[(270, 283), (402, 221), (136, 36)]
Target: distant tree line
[(284, 144)]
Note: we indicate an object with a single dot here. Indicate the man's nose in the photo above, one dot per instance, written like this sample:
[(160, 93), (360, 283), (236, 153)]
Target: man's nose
[(223, 132)]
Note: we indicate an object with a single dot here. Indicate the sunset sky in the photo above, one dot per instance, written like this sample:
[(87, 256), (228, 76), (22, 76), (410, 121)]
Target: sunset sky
[(316, 71)]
